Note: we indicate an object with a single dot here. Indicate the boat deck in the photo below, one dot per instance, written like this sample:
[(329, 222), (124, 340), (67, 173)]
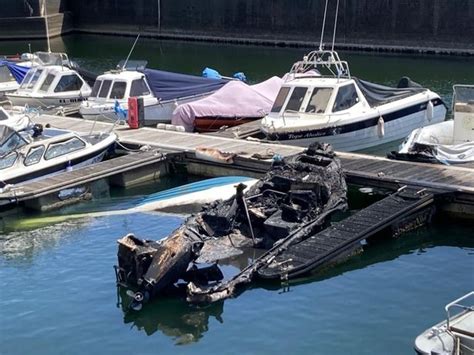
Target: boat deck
[(344, 237)]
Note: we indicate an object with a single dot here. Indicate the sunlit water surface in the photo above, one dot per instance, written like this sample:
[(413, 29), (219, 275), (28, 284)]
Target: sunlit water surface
[(57, 283)]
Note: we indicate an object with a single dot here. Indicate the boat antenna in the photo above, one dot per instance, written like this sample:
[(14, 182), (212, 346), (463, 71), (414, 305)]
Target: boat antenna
[(324, 25), (335, 26), (45, 14), (130, 53)]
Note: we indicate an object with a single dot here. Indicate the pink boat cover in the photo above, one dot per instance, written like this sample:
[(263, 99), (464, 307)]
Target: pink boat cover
[(234, 99)]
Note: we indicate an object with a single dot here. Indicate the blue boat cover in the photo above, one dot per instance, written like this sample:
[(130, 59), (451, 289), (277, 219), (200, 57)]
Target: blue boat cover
[(17, 71), (168, 86)]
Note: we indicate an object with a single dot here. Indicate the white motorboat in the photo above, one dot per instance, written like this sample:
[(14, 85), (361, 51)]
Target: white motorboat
[(448, 142), (37, 153), (51, 84), (455, 335), (161, 91), (321, 101)]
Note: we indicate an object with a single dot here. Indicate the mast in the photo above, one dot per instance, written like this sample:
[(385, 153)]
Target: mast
[(45, 14)]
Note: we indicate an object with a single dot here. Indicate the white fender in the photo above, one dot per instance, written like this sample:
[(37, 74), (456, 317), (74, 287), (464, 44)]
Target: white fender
[(381, 127), (429, 110)]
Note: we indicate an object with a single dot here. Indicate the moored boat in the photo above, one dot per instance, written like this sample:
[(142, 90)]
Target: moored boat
[(351, 114), (36, 153), (453, 336), (234, 104), (52, 84), (448, 142), (161, 91)]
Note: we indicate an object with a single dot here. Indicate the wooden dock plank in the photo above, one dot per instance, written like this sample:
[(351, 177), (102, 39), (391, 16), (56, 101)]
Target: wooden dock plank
[(371, 170)]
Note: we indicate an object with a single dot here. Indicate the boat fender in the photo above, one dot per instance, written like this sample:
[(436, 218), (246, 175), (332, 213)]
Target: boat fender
[(381, 127), (429, 110)]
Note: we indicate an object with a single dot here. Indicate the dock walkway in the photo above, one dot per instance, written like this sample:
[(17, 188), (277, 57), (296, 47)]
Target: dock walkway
[(81, 176), (343, 237), (359, 168)]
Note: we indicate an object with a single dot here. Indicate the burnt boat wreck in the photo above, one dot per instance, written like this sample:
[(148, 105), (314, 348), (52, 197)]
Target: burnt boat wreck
[(285, 215)]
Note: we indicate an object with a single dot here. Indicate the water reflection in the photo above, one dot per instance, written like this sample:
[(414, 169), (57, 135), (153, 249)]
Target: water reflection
[(172, 317), (24, 245)]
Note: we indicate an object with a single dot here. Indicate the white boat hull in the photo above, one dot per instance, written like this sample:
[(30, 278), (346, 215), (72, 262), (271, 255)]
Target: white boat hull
[(45, 102), (155, 112), (371, 136)]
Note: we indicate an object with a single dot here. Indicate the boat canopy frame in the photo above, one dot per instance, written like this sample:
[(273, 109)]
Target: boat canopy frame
[(325, 59)]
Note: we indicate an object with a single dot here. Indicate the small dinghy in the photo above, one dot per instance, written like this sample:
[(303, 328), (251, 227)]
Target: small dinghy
[(455, 335), (290, 203), (448, 142)]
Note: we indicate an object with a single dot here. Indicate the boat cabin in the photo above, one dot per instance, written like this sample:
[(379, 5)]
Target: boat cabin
[(310, 97), (19, 150), (120, 85), (53, 80)]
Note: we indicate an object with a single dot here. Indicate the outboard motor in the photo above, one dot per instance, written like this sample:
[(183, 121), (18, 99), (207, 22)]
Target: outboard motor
[(37, 130)]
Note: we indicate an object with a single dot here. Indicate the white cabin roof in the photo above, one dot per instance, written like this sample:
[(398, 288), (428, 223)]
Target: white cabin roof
[(124, 75)]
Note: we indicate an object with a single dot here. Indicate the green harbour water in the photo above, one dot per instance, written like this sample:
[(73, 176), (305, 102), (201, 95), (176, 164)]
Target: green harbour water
[(57, 283)]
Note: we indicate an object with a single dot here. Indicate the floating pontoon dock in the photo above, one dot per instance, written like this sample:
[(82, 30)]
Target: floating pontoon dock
[(401, 211), (366, 170)]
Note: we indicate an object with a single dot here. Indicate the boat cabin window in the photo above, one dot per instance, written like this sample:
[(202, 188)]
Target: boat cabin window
[(118, 90), (280, 99), (69, 83), (346, 98), (32, 79), (319, 100), (296, 99), (27, 78), (5, 74), (13, 142), (104, 90), (95, 88), (63, 148), (8, 160), (139, 88), (34, 155), (47, 82)]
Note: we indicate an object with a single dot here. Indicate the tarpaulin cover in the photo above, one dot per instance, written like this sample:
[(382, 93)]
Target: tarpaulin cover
[(17, 71), (377, 95), (168, 86), (235, 99)]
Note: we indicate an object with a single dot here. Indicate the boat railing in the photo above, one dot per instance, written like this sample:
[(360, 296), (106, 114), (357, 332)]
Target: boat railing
[(327, 60), (456, 304)]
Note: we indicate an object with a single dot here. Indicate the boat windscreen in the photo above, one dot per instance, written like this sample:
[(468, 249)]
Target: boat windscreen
[(464, 94), (9, 140), (319, 100), (377, 95)]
